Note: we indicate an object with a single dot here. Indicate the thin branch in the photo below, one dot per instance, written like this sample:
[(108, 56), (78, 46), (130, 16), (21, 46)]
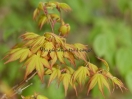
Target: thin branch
[(19, 87)]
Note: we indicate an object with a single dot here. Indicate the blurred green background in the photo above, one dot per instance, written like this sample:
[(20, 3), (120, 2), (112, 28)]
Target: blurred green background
[(105, 25)]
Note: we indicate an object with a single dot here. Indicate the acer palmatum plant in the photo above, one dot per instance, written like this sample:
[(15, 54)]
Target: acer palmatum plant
[(46, 54)]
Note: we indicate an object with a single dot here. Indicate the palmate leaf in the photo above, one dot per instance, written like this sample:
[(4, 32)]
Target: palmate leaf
[(42, 20), (118, 82), (66, 80), (69, 47), (38, 63), (69, 70), (58, 5), (47, 47), (18, 53), (81, 74), (36, 13), (50, 5), (31, 39), (55, 73), (59, 40), (41, 6), (70, 57), (38, 9), (53, 56), (55, 38), (60, 55), (80, 51), (29, 36), (99, 79), (38, 41), (93, 68), (63, 6)]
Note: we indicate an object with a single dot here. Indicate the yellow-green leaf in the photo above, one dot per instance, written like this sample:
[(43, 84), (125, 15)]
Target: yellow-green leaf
[(92, 82), (81, 74), (101, 80), (29, 36), (55, 73), (50, 5), (69, 70), (42, 20), (38, 63), (92, 67), (41, 6), (70, 57), (54, 58), (60, 55), (40, 68), (66, 79), (30, 65), (55, 17), (18, 53), (35, 13), (45, 62), (118, 82), (80, 51), (64, 7)]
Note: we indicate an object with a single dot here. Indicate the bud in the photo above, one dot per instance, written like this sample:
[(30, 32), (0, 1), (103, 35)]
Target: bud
[(64, 29)]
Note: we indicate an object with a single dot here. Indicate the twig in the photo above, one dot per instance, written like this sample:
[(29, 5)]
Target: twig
[(17, 88)]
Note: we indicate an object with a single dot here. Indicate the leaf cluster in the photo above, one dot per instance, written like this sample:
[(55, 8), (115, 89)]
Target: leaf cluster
[(47, 54)]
